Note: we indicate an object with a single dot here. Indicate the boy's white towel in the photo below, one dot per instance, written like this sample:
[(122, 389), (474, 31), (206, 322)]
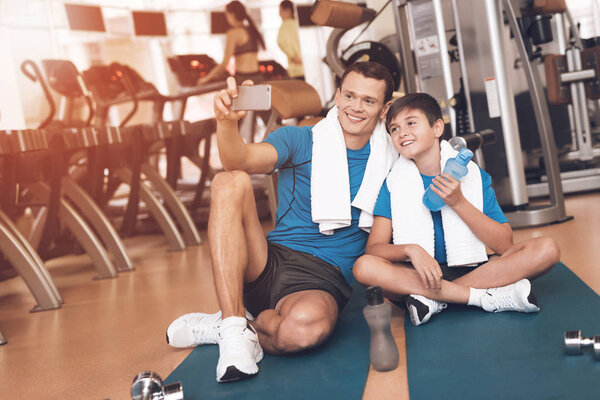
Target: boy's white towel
[(412, 221), (330, 183)]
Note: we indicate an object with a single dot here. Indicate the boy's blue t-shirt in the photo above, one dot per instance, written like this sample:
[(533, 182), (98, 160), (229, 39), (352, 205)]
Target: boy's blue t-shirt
[(491, 208), (295, 228)]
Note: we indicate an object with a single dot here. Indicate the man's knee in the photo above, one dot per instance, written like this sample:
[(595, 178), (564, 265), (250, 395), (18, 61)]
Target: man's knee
[(229, 185), (305, 326)]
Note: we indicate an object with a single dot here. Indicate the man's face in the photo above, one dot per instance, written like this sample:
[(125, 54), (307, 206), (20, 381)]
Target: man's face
[(412, 135), (360, 102)]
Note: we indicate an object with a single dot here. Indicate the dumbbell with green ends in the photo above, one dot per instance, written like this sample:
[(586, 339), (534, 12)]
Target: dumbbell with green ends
[(575, 343)]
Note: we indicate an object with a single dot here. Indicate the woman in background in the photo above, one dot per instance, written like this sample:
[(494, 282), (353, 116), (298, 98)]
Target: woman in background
[(242, 42), (288, 40)]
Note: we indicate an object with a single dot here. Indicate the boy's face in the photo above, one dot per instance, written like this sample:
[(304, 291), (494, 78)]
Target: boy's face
[(360, 102), (412, 135)]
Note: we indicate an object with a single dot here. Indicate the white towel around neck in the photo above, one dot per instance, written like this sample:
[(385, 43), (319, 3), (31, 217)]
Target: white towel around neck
[(412, 221), (330, 182)]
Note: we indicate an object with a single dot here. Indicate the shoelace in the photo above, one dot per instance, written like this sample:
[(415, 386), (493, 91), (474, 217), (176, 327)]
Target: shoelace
[(203, 335), (504, 301)]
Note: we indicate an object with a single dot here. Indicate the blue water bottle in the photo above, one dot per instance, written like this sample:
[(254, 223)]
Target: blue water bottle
[(457, 167)]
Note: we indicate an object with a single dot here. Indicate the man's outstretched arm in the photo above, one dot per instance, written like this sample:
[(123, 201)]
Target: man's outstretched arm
[(234, 153)]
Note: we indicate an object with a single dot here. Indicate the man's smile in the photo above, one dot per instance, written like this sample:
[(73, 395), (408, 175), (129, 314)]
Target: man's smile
[(354, 118)]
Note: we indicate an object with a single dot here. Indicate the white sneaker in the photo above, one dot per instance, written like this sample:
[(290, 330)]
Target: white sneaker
[(239, 350), (421, 309), (194, 329), (515, 297)]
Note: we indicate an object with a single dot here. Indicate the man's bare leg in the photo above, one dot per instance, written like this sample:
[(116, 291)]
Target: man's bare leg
[(239, 253), (238, 250), (238, 247), (300, 320)]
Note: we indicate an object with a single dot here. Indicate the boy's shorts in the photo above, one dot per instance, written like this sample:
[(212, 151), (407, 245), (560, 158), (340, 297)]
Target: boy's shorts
[(288, 271), (453, 273)]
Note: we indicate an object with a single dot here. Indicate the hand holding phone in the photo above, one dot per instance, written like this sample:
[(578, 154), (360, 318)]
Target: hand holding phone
[(252, 98)]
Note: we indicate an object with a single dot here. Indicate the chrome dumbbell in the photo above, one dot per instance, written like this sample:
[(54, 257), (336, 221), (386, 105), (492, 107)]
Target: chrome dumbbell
[(148, 385), (576, 344)]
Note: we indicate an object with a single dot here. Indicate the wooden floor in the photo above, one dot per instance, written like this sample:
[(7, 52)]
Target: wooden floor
[(108, 330)]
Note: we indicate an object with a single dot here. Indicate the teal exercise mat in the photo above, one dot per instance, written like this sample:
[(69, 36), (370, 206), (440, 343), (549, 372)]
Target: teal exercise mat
[(466, 353), (335, 370)]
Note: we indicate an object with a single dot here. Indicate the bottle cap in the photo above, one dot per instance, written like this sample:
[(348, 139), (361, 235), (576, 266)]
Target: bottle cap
[(374, 295), (464, 156)]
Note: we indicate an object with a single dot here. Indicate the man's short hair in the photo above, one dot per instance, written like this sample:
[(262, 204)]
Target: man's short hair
[(287, 5), (415, 101), (372, 70)]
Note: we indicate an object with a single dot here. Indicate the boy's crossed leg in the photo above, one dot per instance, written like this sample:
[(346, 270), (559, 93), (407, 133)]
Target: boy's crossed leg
[(501, 284)]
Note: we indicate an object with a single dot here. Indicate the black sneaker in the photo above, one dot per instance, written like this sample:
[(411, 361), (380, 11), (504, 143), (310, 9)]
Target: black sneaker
[(420, 308)]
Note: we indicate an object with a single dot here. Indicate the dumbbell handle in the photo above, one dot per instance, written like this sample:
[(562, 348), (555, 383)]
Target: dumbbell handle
[(173, 391), (148, 385), (473, 140), (575, 343), (587, 342)]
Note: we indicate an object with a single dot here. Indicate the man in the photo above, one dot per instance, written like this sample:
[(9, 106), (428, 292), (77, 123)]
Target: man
[(297, 279), (288, 40)]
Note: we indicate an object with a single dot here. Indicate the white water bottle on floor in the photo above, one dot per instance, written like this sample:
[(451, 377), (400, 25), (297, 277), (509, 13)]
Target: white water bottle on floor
[(383, 351)]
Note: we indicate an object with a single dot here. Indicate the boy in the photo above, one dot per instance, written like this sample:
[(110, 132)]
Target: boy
[(424, 264)]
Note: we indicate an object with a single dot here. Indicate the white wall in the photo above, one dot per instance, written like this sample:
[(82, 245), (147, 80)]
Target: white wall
[(11, 112), (587, 13)]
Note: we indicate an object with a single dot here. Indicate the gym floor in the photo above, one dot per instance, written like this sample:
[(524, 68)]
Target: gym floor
[(109, 330)]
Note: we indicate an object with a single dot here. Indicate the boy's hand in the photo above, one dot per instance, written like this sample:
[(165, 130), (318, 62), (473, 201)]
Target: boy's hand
[(427, 267), (224, 99), (448, 188)]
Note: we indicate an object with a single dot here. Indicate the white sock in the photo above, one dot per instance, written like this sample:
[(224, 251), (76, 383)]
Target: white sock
[(475, 297)]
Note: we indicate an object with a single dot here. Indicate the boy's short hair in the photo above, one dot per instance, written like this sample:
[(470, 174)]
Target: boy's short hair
[(415, 101), (370, 69)]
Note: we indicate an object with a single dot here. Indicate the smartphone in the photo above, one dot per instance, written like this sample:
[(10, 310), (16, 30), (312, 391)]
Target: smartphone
[(252, 98)]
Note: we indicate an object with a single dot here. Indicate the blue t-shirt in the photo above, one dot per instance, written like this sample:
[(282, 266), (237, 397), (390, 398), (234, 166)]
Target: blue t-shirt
[(491, 208), (295, 228)]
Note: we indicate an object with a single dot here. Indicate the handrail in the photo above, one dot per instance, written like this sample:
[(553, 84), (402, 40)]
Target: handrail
[(122, 76), (37, 76)]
